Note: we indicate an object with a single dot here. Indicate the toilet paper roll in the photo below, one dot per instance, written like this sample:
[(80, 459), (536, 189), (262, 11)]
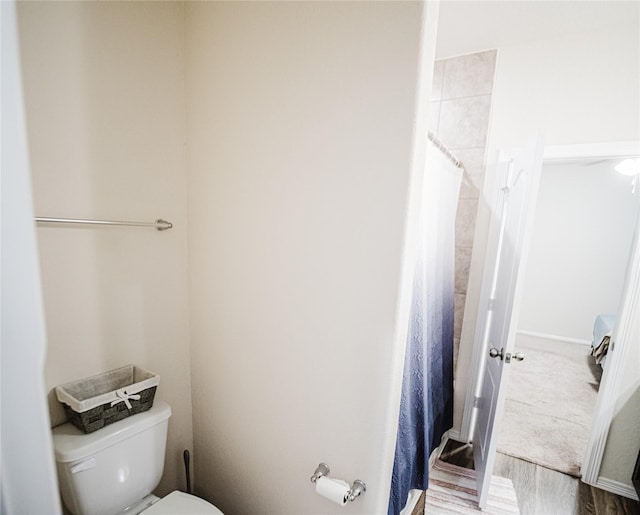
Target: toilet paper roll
[(333, 489)]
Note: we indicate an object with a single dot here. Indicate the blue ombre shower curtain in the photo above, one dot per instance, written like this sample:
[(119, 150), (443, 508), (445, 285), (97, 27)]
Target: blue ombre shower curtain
[(426, 405)]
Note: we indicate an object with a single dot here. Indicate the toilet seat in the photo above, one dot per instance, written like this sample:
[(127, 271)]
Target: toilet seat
[(184, 504)]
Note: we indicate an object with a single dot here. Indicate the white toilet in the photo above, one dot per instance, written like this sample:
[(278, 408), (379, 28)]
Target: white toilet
[(115, 469)]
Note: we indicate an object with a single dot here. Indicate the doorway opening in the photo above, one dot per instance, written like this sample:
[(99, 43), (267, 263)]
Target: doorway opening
[(484, 403), (583, 229)]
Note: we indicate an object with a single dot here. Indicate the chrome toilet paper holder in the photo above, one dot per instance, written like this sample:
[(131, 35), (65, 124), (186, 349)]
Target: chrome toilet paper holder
[(358, 487)]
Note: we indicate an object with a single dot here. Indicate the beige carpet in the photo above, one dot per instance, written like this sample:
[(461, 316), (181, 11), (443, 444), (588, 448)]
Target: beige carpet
[(452, 489), (550, 400)]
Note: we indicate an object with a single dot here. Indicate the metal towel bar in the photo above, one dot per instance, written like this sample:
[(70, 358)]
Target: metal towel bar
[(159, 224)]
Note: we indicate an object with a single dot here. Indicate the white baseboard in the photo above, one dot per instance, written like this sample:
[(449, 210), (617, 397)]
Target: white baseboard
[(615, 487), (555, 337)]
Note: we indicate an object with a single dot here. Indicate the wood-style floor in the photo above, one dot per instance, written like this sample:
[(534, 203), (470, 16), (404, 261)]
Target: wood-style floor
[(543, 491)]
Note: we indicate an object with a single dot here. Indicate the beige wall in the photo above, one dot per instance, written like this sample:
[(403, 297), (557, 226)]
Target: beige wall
[(300, 129), (104, 91), (301, 122), (577, 252)]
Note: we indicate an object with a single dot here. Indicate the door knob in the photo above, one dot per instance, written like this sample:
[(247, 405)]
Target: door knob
[(495, 353)]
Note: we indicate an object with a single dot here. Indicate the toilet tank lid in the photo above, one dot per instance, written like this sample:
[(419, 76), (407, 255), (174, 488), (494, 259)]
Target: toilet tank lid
[(71, 444), (184, 504)]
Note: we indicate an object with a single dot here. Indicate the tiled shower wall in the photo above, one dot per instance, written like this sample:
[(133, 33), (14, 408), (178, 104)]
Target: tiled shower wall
[(461, 103)]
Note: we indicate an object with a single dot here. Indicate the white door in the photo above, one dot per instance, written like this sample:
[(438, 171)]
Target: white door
[(509, 237)]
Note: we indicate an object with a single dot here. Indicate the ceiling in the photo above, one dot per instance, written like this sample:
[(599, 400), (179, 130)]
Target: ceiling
[(470, 26)]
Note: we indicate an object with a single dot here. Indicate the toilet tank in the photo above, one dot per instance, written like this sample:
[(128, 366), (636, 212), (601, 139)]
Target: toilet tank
[(104, 472)]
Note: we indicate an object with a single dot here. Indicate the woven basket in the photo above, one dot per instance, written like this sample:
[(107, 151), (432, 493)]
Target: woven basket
[(98, 401)]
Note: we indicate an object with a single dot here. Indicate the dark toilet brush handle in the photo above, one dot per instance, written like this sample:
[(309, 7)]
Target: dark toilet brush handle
[(187, 470)]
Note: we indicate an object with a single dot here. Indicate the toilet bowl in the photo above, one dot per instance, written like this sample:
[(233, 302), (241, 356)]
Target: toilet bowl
[(114, 470), (173, 504)]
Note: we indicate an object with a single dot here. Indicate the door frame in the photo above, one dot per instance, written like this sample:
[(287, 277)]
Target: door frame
[(630, 301)]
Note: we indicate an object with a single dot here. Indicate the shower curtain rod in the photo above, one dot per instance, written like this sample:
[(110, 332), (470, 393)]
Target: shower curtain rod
[(440, 146), (160, 224)]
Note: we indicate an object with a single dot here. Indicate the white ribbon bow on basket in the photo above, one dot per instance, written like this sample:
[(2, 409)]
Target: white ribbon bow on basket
[(123, 396)]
